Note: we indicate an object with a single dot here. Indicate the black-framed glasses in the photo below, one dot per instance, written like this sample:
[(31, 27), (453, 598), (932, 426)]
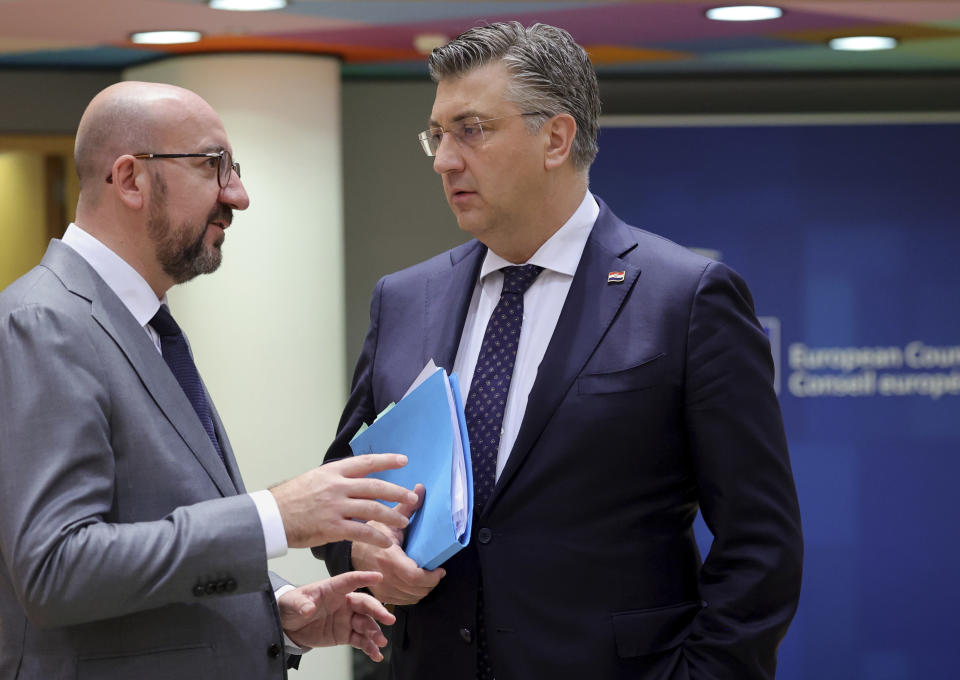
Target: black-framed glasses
[(225, 162), (468, 132)]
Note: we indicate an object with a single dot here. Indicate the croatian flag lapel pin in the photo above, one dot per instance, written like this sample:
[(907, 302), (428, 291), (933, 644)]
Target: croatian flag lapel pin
[(616, 277)]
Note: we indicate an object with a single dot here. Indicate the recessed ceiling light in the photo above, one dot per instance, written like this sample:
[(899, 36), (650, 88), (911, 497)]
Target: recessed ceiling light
[(864, 43), (165, 37), (247, 5), (744, 13)]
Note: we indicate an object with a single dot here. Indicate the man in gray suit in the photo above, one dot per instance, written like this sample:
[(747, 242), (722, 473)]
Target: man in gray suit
[(128, 545)]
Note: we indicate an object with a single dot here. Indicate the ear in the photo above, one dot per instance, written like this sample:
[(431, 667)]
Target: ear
[(128, 182), (560, 132)]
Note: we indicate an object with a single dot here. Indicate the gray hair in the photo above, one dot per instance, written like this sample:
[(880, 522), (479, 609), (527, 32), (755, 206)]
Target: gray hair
[(550, 73)]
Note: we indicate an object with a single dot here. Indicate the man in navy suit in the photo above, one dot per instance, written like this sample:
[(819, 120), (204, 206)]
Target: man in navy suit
[(641, 391)]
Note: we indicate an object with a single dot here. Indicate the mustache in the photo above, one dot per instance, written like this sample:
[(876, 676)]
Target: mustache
[(221, 213)]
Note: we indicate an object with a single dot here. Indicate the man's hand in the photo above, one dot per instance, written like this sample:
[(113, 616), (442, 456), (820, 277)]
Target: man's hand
[(403, 581), (320, 505), (328, 613)]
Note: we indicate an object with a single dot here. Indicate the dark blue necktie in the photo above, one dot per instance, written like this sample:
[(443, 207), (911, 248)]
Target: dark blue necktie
[(491, 379), (173, 346), (485, 406)]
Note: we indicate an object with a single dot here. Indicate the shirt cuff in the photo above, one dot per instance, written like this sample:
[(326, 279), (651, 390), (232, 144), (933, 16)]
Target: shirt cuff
[(289, 645), (274, 535)]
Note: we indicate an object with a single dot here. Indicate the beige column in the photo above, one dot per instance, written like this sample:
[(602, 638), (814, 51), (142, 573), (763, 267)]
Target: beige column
[(267, 327)]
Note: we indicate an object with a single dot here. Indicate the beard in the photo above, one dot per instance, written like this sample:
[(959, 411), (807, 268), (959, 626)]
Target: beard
[(182, 252)]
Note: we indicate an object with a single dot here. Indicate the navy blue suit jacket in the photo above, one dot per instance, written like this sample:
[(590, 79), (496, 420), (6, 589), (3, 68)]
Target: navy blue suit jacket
[(654, 398)]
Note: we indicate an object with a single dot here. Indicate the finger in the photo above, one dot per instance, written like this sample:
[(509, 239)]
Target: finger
[(373, 510), (417, 578), (379, 490), (359, 532), (368, 627), (342, 584), (369, 608), (412, 595), (411, 592), (298, 606), (407, 509), (363, 465), (367, 646)]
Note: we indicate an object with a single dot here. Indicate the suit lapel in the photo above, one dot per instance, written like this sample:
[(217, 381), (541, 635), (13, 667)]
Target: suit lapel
[(448, 295), (591, 306), (228, 457), (116, 320)]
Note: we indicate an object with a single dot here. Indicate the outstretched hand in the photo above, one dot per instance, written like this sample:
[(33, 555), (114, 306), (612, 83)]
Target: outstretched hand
[(328, 613), (321, 505)]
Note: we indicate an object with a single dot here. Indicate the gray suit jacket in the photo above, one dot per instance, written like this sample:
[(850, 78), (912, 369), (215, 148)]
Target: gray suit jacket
[(126, 549)]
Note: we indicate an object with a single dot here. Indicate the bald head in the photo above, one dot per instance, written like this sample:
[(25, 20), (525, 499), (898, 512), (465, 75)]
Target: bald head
[(129, 118)]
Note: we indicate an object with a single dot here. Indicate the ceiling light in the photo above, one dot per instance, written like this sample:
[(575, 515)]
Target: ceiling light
[(247, 5), (744, 13), (864, 43), (165, 37)]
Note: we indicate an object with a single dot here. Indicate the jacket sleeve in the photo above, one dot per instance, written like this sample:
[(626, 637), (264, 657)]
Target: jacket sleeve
[(67, 563), (750, 580)]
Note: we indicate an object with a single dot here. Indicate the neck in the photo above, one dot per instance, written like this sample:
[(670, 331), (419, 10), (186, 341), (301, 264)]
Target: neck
[(131, 243), (546, 216)]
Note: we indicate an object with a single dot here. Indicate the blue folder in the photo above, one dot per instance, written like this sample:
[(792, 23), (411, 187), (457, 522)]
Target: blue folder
[(421, 426)]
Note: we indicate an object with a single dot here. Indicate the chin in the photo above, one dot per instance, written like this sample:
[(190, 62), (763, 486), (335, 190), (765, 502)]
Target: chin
[(466, 222), (474, 228)]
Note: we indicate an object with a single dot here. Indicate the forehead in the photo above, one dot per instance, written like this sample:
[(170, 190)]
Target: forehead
[(479, 92), (195, 130)]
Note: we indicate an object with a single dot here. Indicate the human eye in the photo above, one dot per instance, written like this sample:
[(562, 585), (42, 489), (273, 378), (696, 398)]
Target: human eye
[(471, 131)]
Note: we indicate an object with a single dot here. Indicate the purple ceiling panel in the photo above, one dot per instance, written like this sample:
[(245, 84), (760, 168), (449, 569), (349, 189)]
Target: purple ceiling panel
[(610, 24)]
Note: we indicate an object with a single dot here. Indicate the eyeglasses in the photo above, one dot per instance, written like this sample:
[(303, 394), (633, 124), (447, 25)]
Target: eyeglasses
[(224, 160), (468, 132)]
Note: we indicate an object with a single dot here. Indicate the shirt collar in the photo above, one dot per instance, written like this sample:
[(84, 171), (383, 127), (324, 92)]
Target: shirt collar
[(561, 252), (132, 289)]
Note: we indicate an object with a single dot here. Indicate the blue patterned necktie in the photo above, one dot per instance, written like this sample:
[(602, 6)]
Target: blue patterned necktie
[(491, 378), (485, 406), (173, 346)]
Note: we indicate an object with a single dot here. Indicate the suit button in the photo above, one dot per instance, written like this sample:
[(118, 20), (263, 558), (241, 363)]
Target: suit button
[(198, 591), (484, 535), (230, 584), (210, 588), (466, 635), (273, 651), (221, 586)]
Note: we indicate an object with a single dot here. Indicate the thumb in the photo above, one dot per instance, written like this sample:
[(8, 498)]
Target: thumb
[(300, 603), (407, 509)]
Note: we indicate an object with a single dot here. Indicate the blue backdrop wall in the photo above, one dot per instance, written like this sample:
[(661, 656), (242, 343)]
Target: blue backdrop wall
[(849, 236)]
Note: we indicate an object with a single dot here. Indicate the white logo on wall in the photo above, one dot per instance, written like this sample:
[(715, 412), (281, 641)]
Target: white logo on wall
[(917, 368)]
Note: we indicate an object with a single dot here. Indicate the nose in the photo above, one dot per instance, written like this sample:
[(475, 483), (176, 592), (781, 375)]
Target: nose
[(448, 157), (234, 194)]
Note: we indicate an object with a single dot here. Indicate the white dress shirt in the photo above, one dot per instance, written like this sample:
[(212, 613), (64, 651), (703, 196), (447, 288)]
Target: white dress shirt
[(542, 302), (138, 297)]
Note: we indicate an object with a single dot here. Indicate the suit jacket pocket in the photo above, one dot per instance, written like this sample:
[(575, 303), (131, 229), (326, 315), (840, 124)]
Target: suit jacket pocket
[(155, 664), (646, 631), (647, 373)]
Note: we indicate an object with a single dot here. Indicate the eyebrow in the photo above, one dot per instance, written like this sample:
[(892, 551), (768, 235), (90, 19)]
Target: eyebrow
[(211, 148), (471, 113)]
